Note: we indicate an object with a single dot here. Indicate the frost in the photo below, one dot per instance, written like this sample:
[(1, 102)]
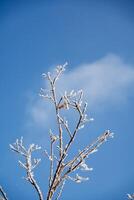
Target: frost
[(80, 179), (84, 166), (111, 135), (94, 151), (91, 119), (81, 127)]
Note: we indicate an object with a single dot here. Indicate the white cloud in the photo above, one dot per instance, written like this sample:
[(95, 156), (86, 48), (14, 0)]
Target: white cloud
[(106, 81)]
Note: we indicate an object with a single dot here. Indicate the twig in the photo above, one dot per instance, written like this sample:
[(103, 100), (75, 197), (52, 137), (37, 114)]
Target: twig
[(130, 196), (85, 153), (51, 163), (52, 84), (61, 190), (66, 126), (3, 193), (29, 165)]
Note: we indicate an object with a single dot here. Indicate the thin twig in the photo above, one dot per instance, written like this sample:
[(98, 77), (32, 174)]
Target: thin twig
[(29, 165), (85, 153), (51, 163), (61, 190), (3, 193), (66, 127), (52, 84)]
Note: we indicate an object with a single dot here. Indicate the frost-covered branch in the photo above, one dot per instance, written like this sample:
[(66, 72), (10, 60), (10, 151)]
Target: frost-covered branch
[(62, 163), (69, 100), (52, 81), (130, 196), (30, 164), (3, 194), (61, 189), (79, 160), (53, 139)]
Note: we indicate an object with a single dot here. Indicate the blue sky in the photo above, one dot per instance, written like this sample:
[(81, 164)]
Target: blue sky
[(96, 38)]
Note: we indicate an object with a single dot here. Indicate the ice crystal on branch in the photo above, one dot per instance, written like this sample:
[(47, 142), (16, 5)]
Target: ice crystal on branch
[(84, 166), (78, 178)]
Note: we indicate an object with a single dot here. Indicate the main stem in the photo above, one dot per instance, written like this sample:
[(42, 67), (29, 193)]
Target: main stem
[(62, 156), (51, 189)]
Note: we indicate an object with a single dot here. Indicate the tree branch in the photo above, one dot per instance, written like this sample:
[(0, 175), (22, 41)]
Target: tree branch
[(29, 165), (3, 193)]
